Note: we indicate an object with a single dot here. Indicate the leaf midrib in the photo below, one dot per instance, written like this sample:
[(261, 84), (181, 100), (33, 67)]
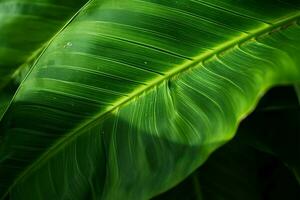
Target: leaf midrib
[(68, 138)]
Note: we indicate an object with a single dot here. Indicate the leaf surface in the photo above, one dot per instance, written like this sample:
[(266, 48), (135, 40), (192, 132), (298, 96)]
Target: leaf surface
[(26, 26), (256, 163), (237, 171), (132, 96)]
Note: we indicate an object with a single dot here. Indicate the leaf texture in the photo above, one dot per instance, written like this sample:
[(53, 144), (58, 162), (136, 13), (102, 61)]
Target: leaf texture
[(4, 102), (237, 171), (254, 165), (132, 96), (26, 26)]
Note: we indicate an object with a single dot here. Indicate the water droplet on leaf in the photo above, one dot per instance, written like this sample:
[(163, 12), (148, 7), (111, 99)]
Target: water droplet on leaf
[(69, 44)]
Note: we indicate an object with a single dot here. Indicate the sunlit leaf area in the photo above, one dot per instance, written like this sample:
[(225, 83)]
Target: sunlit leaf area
[(149, 99)]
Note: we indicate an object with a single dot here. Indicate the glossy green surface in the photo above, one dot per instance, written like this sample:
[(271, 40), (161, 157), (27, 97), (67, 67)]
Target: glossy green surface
[(25, 27), (132, 96), (258, 163)]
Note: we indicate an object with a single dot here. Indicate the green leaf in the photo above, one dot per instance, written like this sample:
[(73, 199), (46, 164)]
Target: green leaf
[(26, 26), (133, 95), (275, 128), (250, 166), (4, 102), (237, 171)]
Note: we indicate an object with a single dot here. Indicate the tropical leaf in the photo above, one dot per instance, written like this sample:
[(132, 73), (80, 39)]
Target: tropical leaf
[(26, 26), (237, 171), (133, 95), (4, 102), (274, 128), (250, 166)]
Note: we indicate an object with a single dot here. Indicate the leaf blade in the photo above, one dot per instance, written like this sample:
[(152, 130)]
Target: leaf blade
[(64, 89)]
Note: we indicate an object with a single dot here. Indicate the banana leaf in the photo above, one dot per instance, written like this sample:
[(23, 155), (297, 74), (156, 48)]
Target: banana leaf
[(237, 171), (258, 163), (131, 96), (26, 27)]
